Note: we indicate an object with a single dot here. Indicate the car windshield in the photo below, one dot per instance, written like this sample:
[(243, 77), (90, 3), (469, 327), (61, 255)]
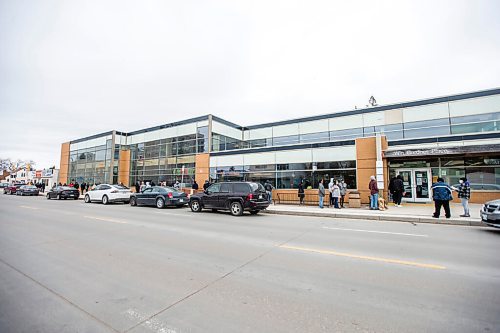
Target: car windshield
[(257, 187)]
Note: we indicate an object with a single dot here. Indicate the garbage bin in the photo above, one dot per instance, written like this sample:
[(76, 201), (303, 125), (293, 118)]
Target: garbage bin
[(354, 199)]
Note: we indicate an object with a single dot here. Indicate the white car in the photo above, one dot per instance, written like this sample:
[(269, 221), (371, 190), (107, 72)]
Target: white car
[(106, 193)]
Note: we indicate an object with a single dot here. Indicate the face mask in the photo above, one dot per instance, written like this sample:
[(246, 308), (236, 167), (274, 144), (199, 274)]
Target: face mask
[(461, 181)]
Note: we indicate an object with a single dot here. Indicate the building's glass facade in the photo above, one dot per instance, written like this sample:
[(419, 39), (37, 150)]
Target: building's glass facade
[(307, 149)]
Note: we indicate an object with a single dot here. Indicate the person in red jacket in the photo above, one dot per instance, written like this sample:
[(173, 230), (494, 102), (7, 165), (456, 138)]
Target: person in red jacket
[(373, 186)]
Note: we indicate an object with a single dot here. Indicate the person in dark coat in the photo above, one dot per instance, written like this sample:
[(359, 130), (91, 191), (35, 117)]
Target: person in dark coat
[(195, 185), (83, 187), (442, 194), (301, 193), (206, 185), (137, 187), (398, 189), (373, 187)]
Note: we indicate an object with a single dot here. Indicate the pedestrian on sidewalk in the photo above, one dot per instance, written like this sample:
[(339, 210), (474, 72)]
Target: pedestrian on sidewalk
[(137, 187), (87, 187), (269, 190), (442, 194), (330, 191), (373, 186), (321, 193), (83, 187), (464, 195), (301, 193), (336, 195), (398, 188), (343, 192)]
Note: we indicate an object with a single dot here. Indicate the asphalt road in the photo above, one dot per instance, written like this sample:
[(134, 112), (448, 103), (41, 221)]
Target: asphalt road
[(67, 266)]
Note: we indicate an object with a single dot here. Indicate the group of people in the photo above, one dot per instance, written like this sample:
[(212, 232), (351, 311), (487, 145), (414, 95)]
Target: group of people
[(337, 190), (442, 194)]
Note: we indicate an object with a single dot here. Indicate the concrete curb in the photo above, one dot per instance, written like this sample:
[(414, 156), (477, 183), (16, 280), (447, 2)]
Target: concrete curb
[(394, 218)]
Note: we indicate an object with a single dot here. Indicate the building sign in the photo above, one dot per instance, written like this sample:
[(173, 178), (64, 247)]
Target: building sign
[(442, 151), (47, 173)]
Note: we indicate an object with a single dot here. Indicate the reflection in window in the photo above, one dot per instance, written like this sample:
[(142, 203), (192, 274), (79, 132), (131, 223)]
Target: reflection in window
[(426, 132), (347, 134), (315, 137), (285, 140)]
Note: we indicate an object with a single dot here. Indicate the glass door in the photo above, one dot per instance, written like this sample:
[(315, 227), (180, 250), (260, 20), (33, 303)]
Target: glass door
[(422, 185), (407, 184), (417, 184)]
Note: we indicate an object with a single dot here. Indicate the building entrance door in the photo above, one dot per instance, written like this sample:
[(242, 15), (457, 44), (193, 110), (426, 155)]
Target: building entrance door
[(417, 184)]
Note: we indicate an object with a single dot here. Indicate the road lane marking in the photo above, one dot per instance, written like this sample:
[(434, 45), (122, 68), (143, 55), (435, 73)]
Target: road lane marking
[(28, 207), (153, 323), (355, 256), (105, 219), (377, 232)]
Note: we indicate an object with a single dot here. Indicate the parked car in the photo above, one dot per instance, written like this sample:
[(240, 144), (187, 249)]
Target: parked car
[(27, 190), (490, 213), (12, 189), (107, 193), (160, 197), (63, 192), (235, 197), (3, 185)]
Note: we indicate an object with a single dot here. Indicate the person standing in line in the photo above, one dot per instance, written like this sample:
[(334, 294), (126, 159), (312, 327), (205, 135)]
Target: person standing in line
[(269, 190), (321, 193), (143, 187), (77, 186), (398, 189), (82, 187), (301, 193), (330, 191), (373, 186), (336, 195), (343, 192), (206, 185), (43, 187), (391, 189), (195, 185), (87, 187), (442, 194), (137, 187), (464, 195)]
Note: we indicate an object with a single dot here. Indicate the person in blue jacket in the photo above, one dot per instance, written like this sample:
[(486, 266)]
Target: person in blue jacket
[(441, 193)]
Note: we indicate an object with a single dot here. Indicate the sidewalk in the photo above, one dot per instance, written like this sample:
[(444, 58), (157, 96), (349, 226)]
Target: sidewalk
[(419, 213)]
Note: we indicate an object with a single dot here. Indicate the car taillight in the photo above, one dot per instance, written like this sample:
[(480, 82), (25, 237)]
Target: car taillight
[(249, 196), (170, 195)]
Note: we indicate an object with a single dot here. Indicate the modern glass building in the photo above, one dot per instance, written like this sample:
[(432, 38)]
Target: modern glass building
[(452, 137)]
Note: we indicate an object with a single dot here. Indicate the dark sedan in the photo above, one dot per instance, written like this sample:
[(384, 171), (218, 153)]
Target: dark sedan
[(12, 189), (27, 190), (160, 197), (63, 192)]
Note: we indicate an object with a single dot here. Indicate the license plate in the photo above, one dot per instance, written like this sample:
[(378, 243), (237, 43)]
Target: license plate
[(484, 216), (181, 200)]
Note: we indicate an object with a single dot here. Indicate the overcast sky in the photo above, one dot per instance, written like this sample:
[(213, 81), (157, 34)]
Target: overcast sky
[(70, 69)]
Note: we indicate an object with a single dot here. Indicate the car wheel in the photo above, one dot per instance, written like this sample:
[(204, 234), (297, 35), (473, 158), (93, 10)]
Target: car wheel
[(133, 202), (87, 199), (58, 197), (254, 212), (48, 196), (105, 200), (236, 208), (195, 206), (160, 203)]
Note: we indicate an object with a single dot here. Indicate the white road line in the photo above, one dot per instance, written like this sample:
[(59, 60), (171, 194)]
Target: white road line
[(28, 207), (377, 232), (105, 219)]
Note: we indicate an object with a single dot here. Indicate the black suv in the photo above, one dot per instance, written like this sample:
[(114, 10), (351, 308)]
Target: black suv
[(235, 197)]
